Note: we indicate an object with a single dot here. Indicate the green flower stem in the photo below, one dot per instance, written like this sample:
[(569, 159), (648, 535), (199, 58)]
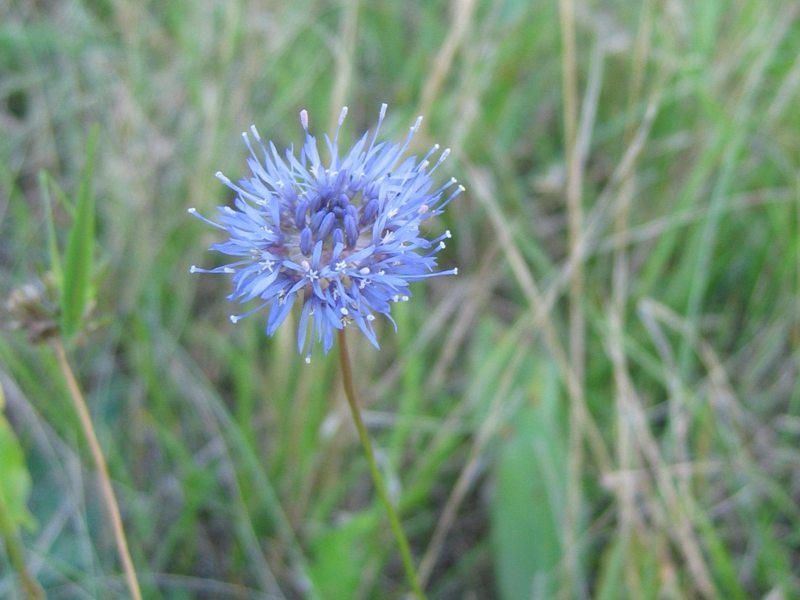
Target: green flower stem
[(394, 521), (17, 557), (105, 481)]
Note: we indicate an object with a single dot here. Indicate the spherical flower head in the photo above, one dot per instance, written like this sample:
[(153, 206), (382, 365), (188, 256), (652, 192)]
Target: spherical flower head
[(344, 238)]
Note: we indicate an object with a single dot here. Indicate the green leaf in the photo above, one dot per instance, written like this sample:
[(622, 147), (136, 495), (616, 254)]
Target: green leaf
[(722, 563), (52, 240), (525, 508), (80, 249), (611, 578), (15, 481), (341, 553)]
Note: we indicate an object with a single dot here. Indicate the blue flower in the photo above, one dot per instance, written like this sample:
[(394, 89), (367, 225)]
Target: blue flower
[(343, 238)]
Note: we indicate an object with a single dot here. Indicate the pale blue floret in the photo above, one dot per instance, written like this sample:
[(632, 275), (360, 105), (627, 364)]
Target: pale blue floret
[(343, 238)]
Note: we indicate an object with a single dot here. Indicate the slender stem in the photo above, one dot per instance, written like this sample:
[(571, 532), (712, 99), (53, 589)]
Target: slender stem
[(394, 521), (105, 481), (573, 576), (17, 557)]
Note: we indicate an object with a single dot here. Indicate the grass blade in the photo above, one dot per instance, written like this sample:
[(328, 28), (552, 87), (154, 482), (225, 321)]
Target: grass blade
[(80, 249), (52, 240)]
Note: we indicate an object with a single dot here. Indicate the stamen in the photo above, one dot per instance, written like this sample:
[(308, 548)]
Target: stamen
[(381, 116), (194, 213), (430, 152), (247, 143), (442, 158), (225, 269), (236, 318)]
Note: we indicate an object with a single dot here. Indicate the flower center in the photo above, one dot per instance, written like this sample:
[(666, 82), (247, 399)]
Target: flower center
[(333, 216)]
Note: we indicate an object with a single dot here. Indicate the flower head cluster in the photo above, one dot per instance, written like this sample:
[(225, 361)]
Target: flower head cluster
[(344, 237)]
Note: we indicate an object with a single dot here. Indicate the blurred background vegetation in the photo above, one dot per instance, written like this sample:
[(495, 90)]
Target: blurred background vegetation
[(604, 403)]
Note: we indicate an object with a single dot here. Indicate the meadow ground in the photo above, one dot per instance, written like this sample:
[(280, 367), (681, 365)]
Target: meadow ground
[(603, 404)]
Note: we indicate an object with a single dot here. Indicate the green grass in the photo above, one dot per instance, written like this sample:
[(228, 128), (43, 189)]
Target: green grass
[(667, 469)]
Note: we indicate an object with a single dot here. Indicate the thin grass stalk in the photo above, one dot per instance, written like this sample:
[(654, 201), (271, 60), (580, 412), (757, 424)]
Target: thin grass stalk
[(380, 486), (345, 50), (574, 180), (628, 517), (573, 577), (106, 489)]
